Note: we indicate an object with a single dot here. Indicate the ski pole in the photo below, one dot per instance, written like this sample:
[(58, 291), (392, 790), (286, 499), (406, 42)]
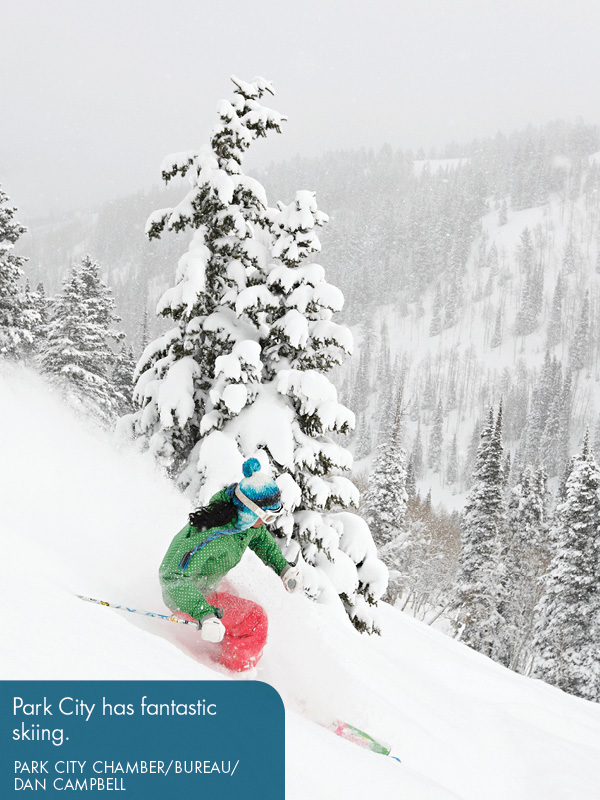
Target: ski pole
[(164, 617)]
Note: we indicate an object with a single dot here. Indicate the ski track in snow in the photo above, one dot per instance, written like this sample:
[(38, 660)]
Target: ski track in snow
[(80, 515)]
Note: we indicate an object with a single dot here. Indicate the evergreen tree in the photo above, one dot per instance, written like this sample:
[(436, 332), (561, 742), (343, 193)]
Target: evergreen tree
[(363, 440), (243, 371), (492, 260), (436, 440), (31, 307), (596, 443), (580, 346), (549, 444), (384, 503), (226, 211), (362, 384), (122, 379), (14, 333), (144, 337), (427, 501), (411, 481), (496, 340), (543, 394), (436, 321), (568, 631), (452, 304), (391, 402), (416, 456), (526, 319), (526, 557), (429, 392), (507, 468), (479, 593), (77, 352), (452, 469), (555, 322), (564, 434), (569, 257), (471, 459), (42, 307)]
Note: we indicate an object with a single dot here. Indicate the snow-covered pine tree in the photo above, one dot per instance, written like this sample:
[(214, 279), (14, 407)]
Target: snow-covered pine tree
[(436, 439), (390, 398), (416, 456), (364, 372), (569, 256), (243, 372), (541, 399), (471, 459), (554, 328), (496, 339), (550, 453), (453, 301), (14, 333), (302, 345), (384, 502), (568, 630), (596, 440), (122, 378), (564, 435), (77, 351), (227, 212), (435, 326), (384, 506), (452, 466), (579, 349), (526, 557), (526, 319), (492, 260), (482, 531), (144, 337), (411, 481), (33, 315)]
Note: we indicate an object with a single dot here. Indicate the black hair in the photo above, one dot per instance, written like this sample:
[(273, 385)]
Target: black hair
[(214, 515)]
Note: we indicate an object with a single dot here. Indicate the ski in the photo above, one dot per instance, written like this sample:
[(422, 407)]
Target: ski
[(164, 617), (352, 734)]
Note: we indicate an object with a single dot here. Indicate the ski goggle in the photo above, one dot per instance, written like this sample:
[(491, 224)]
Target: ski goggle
[(265, 514)]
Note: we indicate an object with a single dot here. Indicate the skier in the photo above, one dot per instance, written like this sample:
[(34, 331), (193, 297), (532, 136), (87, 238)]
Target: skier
[(210, 545)]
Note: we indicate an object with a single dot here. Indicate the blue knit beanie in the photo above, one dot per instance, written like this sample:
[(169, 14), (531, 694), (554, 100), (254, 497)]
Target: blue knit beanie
[(259, 488)]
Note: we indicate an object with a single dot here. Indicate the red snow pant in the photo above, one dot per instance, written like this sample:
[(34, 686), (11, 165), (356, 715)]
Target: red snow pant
[(246, 627)]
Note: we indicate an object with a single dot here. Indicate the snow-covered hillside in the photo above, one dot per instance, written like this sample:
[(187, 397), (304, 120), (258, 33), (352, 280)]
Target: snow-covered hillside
[(79, 515), (488, 350)]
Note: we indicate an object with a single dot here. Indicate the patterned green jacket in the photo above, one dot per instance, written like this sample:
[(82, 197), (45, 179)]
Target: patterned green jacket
[(185, 590)]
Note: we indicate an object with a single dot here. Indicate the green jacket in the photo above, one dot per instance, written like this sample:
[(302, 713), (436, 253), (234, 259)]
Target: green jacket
[(184, 590)]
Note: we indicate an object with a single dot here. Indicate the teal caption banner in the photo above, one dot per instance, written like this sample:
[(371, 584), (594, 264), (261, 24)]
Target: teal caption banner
[(151, 739)]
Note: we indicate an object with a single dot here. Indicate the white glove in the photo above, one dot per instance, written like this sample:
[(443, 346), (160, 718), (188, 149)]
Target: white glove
[(292, 578), (212, 629)]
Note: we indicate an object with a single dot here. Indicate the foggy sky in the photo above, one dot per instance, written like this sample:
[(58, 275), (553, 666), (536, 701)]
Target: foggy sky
[(94, 93)]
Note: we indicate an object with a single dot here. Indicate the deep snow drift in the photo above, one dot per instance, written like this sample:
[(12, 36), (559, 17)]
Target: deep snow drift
[(78, 515)]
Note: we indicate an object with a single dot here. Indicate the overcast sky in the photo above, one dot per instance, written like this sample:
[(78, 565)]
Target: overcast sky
[(94, 93)]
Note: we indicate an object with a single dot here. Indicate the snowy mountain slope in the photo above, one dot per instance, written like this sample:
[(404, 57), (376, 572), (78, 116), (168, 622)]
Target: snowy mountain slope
[(462, 366), (77, 515)]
